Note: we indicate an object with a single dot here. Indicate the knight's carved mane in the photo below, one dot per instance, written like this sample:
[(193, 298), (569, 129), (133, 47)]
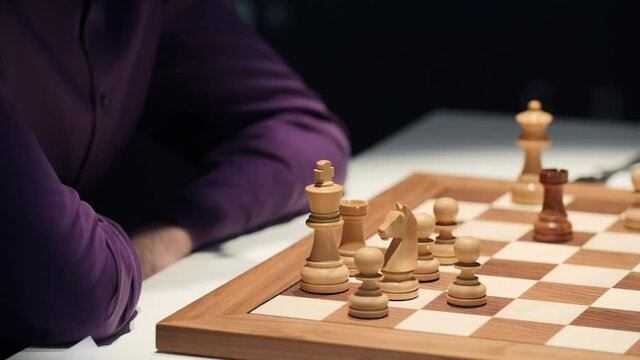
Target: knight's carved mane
[(411, 227), (396, 241)]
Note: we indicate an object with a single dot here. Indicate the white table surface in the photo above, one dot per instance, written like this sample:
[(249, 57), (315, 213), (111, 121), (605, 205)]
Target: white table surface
[(451, 142)]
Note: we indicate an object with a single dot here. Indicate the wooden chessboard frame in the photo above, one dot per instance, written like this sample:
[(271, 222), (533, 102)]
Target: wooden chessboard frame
[(219, 324)]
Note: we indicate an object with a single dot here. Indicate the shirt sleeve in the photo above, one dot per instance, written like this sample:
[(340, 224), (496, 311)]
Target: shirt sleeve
[(243, 116), (66, 272)]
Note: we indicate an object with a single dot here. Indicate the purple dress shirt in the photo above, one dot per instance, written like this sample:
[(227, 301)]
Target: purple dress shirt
[(76, 77)]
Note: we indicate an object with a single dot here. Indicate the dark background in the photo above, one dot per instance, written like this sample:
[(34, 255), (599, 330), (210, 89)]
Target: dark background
[(381, 64)]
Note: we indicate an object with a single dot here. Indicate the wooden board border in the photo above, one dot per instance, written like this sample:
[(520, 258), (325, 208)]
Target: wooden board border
[(218, 324)]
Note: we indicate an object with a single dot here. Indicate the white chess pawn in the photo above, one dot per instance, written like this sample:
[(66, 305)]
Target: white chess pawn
[(466, 290), (446, 212), (368, 302), (632, 214), (428, 268)]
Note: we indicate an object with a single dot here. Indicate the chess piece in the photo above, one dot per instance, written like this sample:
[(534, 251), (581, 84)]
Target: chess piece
[(352, 213), (446, 212), (401, 258), (466, 290), (552, 224), (632, 214), (533, 139), (368, 302), (428, 268), (324, 271)]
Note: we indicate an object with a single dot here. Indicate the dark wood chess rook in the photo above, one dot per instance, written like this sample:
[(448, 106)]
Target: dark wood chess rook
[(552, 224)]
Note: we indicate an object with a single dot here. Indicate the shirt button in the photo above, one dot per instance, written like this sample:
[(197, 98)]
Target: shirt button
[(104, 100)]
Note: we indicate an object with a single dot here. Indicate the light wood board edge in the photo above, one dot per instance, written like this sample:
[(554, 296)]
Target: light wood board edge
[(265, 337)]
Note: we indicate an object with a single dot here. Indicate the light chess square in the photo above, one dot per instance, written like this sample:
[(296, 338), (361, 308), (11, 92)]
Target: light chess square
[(536, 252), (505, 286), (541, 311), (591, 222), (622, 299), (580, 337), (585, 275), (493, 230), (443, 322), (617, 242), (298, 307)]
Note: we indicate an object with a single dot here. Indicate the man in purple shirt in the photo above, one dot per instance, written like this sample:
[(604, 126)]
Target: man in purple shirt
[(75, 80)]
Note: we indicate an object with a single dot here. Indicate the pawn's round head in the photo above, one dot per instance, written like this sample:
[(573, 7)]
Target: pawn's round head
[(534, 105), (635, 178), (467, 249), (446, 210), (369, 260), (426, 224)]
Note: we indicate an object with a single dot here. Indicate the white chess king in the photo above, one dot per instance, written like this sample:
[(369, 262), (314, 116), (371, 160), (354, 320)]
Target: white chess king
[(324, 272)]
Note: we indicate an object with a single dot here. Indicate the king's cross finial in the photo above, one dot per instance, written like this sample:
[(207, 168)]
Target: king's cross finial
[(323, 173)]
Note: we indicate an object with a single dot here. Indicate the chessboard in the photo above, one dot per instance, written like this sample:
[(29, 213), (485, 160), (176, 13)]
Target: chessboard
[(579, 299)]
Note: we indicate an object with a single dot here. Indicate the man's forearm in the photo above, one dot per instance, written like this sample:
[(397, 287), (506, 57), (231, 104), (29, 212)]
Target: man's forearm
[(66, 272), (159, 246)]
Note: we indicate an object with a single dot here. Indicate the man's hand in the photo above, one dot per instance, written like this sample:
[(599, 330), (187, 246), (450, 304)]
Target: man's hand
[(160, 246)]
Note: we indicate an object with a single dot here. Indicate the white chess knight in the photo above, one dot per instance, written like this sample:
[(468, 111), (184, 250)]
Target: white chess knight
[(632, 214), (401, 258)]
